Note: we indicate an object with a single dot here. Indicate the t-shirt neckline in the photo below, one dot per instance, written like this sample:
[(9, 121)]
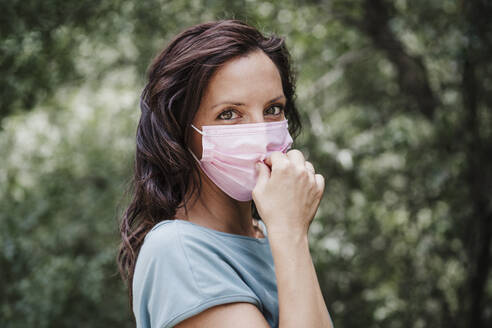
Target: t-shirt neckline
[(227, 234)]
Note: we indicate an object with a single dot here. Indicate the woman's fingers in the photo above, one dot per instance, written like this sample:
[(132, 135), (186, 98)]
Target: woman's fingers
[(309, 166), (296, 157), (320, 183), (278, 159), (288, 194), (275, 158)]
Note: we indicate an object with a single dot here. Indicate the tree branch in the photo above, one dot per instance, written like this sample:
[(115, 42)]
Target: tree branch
[(412, 73)]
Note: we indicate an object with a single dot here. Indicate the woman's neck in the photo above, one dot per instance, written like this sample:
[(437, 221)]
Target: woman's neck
[(216, 210)]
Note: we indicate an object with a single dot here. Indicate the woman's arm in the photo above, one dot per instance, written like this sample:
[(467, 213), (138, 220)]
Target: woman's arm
[(287, 196), (237, 315), (301, 303)]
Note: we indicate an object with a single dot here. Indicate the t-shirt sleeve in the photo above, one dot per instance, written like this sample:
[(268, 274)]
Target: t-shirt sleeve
[(177, 277)]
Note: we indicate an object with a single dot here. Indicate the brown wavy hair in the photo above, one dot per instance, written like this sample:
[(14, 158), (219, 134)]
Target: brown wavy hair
[(164, 171)]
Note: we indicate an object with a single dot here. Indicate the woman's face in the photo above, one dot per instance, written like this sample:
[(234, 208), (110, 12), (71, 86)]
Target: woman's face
[(244, 90)]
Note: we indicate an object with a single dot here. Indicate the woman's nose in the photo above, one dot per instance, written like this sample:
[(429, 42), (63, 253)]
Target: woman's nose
[(257, 117)]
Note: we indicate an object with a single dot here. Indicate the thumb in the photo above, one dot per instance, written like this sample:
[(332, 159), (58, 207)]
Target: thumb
[(263, 173)]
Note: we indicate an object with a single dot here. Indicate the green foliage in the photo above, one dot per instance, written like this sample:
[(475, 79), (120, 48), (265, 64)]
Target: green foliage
[(38, 46), (64, 173), (395, 100)]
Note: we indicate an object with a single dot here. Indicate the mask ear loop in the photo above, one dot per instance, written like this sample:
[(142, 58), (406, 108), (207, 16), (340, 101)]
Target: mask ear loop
[(197, 129), (192, 154)]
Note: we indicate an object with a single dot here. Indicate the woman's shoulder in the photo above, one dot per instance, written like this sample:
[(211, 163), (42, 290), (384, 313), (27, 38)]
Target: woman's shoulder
[(179, 273), (168, 233), (172, 241), (179, 249), (162, 236)]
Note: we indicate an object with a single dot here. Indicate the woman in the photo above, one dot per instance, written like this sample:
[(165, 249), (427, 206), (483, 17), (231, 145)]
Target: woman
[(216, 232)]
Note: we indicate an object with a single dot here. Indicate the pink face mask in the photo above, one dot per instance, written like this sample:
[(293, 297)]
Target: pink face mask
[(230, 153)]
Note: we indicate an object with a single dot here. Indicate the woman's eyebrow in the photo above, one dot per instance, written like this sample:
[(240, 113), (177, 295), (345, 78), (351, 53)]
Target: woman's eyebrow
[(275, 99), (241, 104), (227, 102)]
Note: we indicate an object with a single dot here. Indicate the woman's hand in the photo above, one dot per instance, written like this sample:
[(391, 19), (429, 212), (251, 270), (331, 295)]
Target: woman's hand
[(287, 196)]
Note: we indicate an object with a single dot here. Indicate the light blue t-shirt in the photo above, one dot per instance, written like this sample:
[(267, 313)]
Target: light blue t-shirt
[(184, 268)]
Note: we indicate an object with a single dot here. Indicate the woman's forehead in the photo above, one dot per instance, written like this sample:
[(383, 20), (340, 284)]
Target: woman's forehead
[(244, 77)]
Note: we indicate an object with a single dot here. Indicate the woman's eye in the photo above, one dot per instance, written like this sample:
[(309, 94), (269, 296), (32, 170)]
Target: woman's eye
[(227, 115), (277, 110), (231, 114)]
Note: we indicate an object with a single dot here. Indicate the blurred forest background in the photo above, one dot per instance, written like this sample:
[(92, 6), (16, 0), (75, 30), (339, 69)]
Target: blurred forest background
[(396, 100)]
